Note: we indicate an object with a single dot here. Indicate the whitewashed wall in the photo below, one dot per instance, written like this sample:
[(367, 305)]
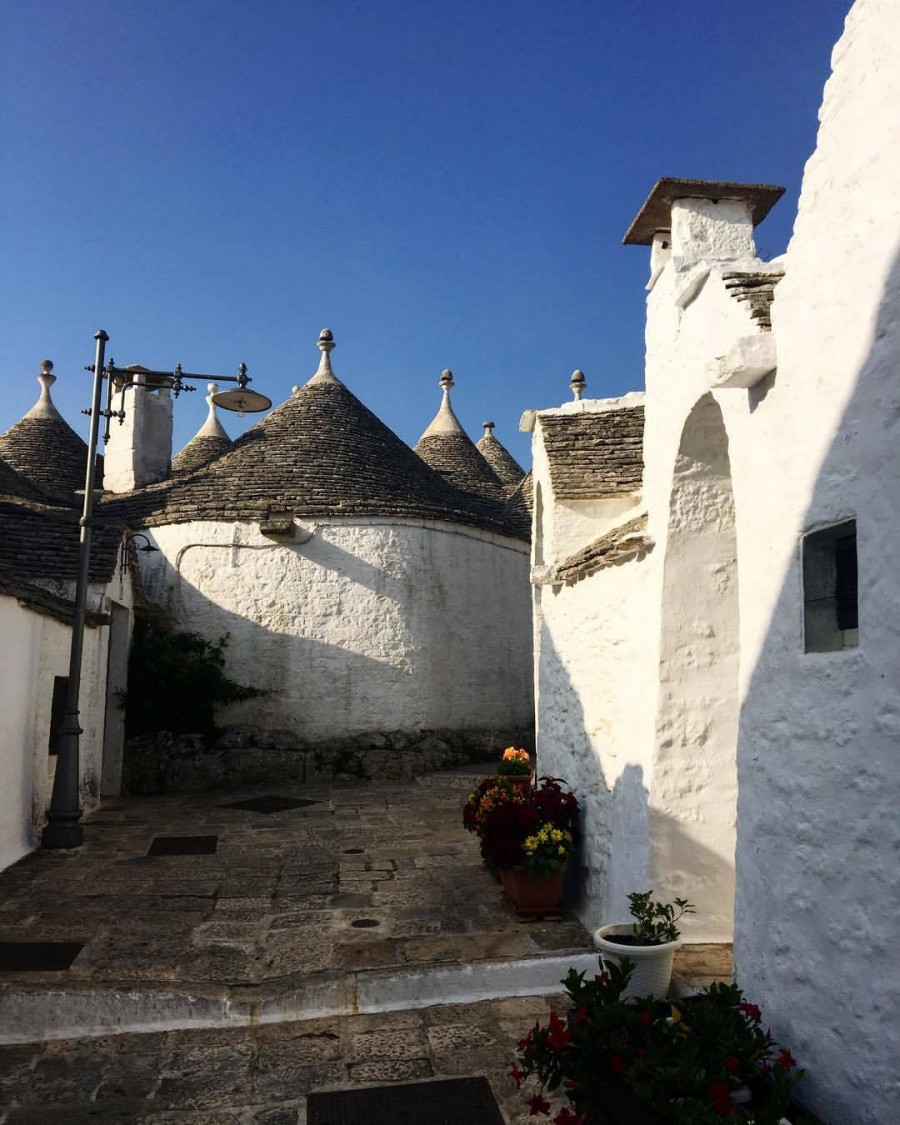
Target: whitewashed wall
[(364, 626), (818, 908), (815, 763), (593, 727), (35, 649)]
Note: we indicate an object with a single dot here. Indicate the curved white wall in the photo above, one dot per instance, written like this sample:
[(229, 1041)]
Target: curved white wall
[(366, 626)]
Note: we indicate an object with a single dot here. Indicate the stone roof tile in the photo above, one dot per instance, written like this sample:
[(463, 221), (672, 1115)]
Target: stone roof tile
[(594, 453), (38, 542), (757, 291), (627, 541), (506, 467), (321, 453), (44, 448)]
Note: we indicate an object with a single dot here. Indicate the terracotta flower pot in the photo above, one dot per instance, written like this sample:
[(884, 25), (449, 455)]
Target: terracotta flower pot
[(532, 893)]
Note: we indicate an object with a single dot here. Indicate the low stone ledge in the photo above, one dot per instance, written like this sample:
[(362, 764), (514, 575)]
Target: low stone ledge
[(240, 756)]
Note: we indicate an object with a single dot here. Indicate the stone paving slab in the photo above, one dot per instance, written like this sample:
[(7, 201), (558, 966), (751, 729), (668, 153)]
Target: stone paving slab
[(262, 1074), (266, 924)]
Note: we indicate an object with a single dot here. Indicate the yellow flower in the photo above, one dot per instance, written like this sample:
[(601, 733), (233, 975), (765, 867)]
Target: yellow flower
[(562, 851)]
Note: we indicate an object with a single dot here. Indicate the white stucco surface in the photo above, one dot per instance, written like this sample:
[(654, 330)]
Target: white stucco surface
[(35, 650), (818, 905), (763, 767), (357, 626)]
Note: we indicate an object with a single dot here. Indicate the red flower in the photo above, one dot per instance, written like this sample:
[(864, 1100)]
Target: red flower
[(525, 1043), (785, 1059), (602, 978), (558, 1035), (645, 1019), (567, 1117), (516, 1075), (750, 1010), (720, 1096), (732, 1062), (538, 1104), (581, 1015), (616, 1063)]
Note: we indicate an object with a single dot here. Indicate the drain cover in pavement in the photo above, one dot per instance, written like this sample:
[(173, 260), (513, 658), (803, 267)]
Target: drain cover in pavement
[(183, 845), (270, 804), (419, 1103), (38, 956)]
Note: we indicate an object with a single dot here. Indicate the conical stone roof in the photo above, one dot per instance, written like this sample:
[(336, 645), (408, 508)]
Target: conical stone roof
[(43, 447), (209, 442), (14, 485), (449, 450), (505, 466), (321, 453)]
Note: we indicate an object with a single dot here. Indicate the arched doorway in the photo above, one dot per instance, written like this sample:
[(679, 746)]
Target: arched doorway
[(694, 781)]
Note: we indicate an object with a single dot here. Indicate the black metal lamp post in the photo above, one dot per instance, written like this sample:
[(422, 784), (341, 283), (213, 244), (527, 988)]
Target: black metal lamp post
[(63, 828)]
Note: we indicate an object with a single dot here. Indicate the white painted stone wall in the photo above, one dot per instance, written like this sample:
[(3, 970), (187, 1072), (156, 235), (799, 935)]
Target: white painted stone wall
[(359, 626), (816, 764), (35, 649), (593, 728), (818, 906), (140, 447)]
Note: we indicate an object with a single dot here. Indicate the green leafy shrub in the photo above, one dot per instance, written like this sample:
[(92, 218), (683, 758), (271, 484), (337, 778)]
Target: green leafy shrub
[(176, 680)]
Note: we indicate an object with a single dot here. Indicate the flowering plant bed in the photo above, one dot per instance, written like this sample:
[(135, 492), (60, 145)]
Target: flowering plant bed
[(647, 1062)]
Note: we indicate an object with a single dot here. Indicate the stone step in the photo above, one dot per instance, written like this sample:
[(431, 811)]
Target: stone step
[(37, 1012)]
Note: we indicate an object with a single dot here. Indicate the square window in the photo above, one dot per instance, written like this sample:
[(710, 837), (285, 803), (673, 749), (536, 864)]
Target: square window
[(830, 589)]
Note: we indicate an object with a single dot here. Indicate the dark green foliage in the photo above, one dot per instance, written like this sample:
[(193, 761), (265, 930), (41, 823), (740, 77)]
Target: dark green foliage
[(655, 921), (176, 680)]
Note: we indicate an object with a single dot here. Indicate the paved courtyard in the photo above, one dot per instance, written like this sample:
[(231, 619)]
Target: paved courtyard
[(356, 940)]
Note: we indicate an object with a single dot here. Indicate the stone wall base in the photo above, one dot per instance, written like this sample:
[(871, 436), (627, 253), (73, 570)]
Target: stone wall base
[(240, 756)]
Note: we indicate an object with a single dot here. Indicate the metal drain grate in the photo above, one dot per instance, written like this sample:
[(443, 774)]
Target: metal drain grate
[(184, 845), (270, 803), (420, 1103), (38, 956)]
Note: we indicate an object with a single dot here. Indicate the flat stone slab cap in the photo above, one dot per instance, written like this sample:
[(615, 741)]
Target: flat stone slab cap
[(656, 213)]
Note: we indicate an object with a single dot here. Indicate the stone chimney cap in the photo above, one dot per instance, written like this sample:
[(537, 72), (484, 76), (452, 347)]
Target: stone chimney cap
[(488, 428), (656, 213)]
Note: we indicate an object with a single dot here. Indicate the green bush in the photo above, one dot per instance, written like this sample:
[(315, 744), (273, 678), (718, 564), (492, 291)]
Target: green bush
[(176, 680)]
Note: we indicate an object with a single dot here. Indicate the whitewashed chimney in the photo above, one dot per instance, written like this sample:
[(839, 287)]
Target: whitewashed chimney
[(139, 451)]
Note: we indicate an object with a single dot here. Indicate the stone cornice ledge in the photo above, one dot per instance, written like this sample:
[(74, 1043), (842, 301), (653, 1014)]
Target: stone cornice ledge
[(750, 359)]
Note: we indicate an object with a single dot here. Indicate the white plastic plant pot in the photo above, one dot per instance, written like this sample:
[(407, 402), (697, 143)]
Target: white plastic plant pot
[(653, 972)]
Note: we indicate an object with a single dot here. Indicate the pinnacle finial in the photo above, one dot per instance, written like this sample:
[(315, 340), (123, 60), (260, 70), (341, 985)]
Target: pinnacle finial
[(488, 427), (46, 378), (577, 383), (447, 379), (44, 407), (326, 346)]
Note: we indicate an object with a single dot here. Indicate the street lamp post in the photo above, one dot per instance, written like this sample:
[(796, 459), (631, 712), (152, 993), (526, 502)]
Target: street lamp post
[(63, 828)]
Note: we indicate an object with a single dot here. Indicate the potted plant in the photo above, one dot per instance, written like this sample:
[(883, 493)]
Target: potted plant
[(516, 828), (515, 767), (535, 886), (649, 942), (646, 1062)]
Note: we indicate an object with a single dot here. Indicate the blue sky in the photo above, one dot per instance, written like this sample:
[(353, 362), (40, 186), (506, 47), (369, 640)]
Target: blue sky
[(443, 184)]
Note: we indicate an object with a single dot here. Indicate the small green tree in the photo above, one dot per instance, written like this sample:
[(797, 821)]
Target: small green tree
[(176, 680)]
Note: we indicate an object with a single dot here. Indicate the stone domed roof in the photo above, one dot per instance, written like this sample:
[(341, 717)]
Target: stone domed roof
[(449, 450), (209, 442), (505, 466), (43, 447), (321, 453), (15, 485)]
